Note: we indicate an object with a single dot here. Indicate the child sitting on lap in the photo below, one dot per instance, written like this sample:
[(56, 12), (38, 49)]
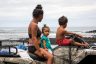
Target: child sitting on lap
[(45, 41)]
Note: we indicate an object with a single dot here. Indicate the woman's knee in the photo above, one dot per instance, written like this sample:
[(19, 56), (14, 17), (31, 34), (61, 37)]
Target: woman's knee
[(50, 56)]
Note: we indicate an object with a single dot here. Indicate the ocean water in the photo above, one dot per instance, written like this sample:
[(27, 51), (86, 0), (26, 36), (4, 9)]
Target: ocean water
[(13, 32), (76, 29), (22, 32)]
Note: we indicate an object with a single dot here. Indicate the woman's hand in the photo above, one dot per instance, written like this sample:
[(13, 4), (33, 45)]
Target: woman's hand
[(46, 49)]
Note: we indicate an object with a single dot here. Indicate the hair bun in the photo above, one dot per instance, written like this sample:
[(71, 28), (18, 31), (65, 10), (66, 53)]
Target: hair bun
[(38, 6)]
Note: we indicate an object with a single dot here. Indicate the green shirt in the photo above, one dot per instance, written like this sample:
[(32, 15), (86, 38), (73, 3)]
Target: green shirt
[(47, 40)]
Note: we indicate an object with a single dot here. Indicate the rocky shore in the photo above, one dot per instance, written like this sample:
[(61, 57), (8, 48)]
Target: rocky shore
[(61, 55)]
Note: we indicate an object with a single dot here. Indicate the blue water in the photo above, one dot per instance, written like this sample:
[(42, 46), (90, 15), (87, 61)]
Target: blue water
[(21, 32)]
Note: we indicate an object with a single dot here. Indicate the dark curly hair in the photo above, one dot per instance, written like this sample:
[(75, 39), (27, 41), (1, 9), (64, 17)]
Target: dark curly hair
[(37, 11), (62, 20)]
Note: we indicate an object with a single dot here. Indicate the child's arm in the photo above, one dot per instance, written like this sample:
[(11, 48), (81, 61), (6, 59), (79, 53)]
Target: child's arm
[(44, 44), (67, 32)]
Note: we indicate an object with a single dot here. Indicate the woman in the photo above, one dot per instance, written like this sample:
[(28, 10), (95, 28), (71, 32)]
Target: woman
[(34, 36)]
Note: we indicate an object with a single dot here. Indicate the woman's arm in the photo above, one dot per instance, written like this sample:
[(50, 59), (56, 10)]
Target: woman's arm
[(34, 29)]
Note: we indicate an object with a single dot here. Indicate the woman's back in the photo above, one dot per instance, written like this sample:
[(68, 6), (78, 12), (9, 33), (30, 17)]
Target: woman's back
[(31, 26)]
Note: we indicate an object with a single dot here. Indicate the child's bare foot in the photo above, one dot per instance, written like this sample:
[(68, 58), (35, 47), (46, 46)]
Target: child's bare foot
[(86, 44)]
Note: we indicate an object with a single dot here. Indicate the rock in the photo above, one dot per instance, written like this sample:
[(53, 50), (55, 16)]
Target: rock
[(19, 61), (61, 55), (16, 60)]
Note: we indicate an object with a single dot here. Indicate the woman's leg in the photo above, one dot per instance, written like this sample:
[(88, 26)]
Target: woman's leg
[(46, 54)]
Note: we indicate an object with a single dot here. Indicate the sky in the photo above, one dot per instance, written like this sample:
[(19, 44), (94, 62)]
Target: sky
[(18, 13)]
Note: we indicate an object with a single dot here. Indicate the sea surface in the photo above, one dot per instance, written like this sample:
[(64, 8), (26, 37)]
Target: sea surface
[(22, 32)]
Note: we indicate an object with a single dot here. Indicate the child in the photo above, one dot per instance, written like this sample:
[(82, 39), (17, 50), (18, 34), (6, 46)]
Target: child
[(45, 42), (61, 32)]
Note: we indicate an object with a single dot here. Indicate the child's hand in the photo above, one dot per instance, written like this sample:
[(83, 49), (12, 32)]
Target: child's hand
[(86, 44)]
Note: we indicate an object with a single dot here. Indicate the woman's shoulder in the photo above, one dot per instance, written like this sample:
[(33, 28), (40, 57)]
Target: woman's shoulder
[(33, 25)]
